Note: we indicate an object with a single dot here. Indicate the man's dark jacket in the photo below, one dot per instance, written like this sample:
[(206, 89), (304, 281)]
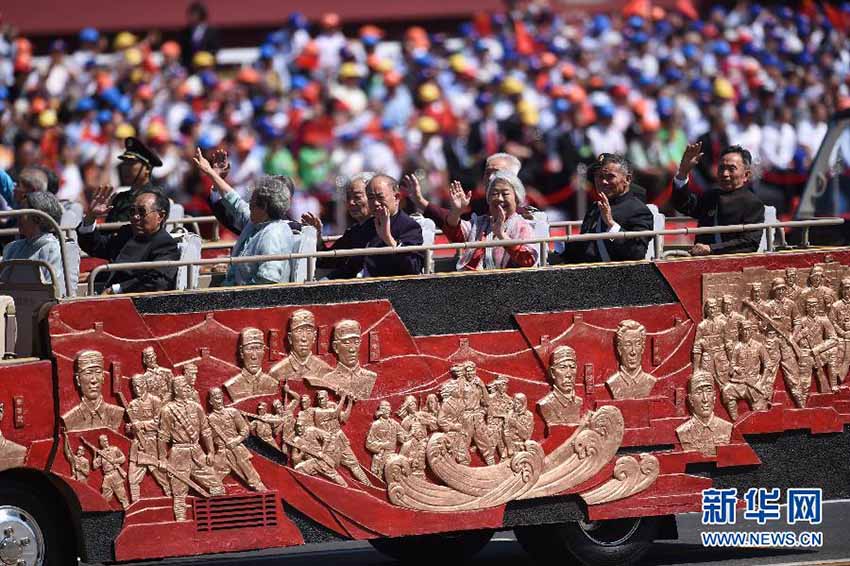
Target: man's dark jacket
[(122, 247), (722, 208), (406, 232), (631, 214)]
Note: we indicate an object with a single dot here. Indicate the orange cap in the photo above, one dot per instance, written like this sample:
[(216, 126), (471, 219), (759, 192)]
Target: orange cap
[(170, 49), (329, 20)]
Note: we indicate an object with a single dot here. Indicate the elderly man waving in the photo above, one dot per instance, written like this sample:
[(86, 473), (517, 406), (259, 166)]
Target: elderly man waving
[(618, 209)]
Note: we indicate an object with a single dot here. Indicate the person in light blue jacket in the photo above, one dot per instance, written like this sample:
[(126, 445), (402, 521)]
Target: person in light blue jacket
[(37, 241), (262, 221)]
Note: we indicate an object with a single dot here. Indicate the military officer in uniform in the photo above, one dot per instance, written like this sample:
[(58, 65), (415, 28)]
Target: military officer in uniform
[(839, 314), (301, 362), (704, 431), (348, 377), (709, 345), (231, 429), (159, 378), (143, 412), (110, 458), (819, 289), (749, 379), (252, 380), (329, 418), (561, 406), (817, 341), (93, 411), (384, 437)]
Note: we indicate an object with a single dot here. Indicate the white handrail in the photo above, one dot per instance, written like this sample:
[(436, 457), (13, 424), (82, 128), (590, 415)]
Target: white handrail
[(312, 256)]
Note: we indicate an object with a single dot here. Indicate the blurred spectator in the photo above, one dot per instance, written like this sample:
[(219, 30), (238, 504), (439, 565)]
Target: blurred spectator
[(262, 224), (617, 209), (37, 240), (199, 36), (144, 239), (134, 173), (731, 203)]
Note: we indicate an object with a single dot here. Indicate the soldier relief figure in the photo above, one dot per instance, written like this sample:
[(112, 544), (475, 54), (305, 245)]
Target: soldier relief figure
[(301, 363), (93, 411), (630, 381), (704, 431), (158, 377), (143, 412), (750, 378), (561, 406), (252, 381), (839, 314), (348, 378)]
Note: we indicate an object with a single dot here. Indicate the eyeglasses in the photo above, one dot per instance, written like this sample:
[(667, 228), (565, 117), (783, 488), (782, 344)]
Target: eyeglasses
[(140, 211)]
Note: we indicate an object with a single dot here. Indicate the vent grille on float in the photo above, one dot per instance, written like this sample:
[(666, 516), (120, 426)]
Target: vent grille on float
[(236, 512)]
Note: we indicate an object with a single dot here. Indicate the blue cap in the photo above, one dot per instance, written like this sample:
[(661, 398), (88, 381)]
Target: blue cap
[(89, 35), (635, 22), (605, 111), (4, 92), (663, 27), (665, 107), (266, 129), (600, 23), (188, 121), (562, 105), (209, 79), (640, 38), (124, 104), (297, 20), (480, 45), (747, 107), (111, 96), (104, 116), (786, 13), (673, 74), (805, 58), (689, 50), (466, 30), (755, 11), (483, 99), (86, 104), (646, 80), (205, 142), (267, 51), (701, 84), (298, 82), (370, 40), (721, 48), (258, 101), (791, 90), (697, 26)]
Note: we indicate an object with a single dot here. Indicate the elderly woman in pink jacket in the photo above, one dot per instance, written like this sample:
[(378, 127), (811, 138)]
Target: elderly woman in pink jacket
[(505, 192)]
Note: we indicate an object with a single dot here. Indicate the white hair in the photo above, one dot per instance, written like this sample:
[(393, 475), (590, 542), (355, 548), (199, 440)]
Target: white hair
[(364, 176), (514, 166), (512, 180)]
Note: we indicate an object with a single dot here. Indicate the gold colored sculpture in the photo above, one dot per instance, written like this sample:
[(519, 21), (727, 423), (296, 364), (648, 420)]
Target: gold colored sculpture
[(839, 314), (733, 317), (11, 454), (499, 405), (92, 412), (475, 399), (750, 378), (252, 380), (158, 377), (704, 431), (793, 290), (230, 428), (817, 341), (709, 349), (630, 382), (818, 289), (143, 412), (183, 425), (518, 426), (301, 363), (416, 425), (111, 459), (348, 378), (262, 424), (384, 437), (310, 453), (190, 371), (561, 406)]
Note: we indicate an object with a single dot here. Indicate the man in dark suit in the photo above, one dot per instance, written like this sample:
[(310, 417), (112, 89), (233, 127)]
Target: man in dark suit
[(388, 227), (731, 203), (144, 239), (199, 36), (619, 209)]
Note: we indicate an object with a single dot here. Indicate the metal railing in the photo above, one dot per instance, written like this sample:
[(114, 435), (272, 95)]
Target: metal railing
[(194, 221), (312, 257), (56, 228)]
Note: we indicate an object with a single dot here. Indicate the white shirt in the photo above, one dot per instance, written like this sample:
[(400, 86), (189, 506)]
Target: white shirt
[(778, 143)]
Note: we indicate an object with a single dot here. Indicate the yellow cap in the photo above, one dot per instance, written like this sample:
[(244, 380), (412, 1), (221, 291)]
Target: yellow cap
[(512, 86), (203, 59), (429, 92), (349, 71), (723, 88), (133, 56), (47, 118), (124, 131), (458, 62), (124, 40), (428, 125)]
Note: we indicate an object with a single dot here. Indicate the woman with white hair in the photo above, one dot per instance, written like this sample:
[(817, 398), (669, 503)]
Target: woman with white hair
[(38, 242), (505, 192), (263, 224)]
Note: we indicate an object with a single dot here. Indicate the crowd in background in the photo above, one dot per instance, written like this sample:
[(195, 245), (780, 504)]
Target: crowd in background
[(554, 89)]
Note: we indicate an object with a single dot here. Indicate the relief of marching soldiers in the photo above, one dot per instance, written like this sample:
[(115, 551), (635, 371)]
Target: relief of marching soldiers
[(804, 330)]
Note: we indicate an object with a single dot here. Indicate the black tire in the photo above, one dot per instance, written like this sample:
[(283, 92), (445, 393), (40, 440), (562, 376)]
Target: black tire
[(618, 542), (451, 547), (59, 549)]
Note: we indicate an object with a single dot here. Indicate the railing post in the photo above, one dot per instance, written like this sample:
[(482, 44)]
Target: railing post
[(805, 243), (544, 254), (770, 243), (429, 261), (216, 235), (311, 268), (658, 246)]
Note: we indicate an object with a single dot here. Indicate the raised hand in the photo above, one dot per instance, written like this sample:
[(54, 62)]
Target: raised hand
[(382, 225), (414, 191), (605, 209), (100, 203), (458, 199), (311, 219), (499, 224), (692, 156), (203, 164), (220, 163)]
